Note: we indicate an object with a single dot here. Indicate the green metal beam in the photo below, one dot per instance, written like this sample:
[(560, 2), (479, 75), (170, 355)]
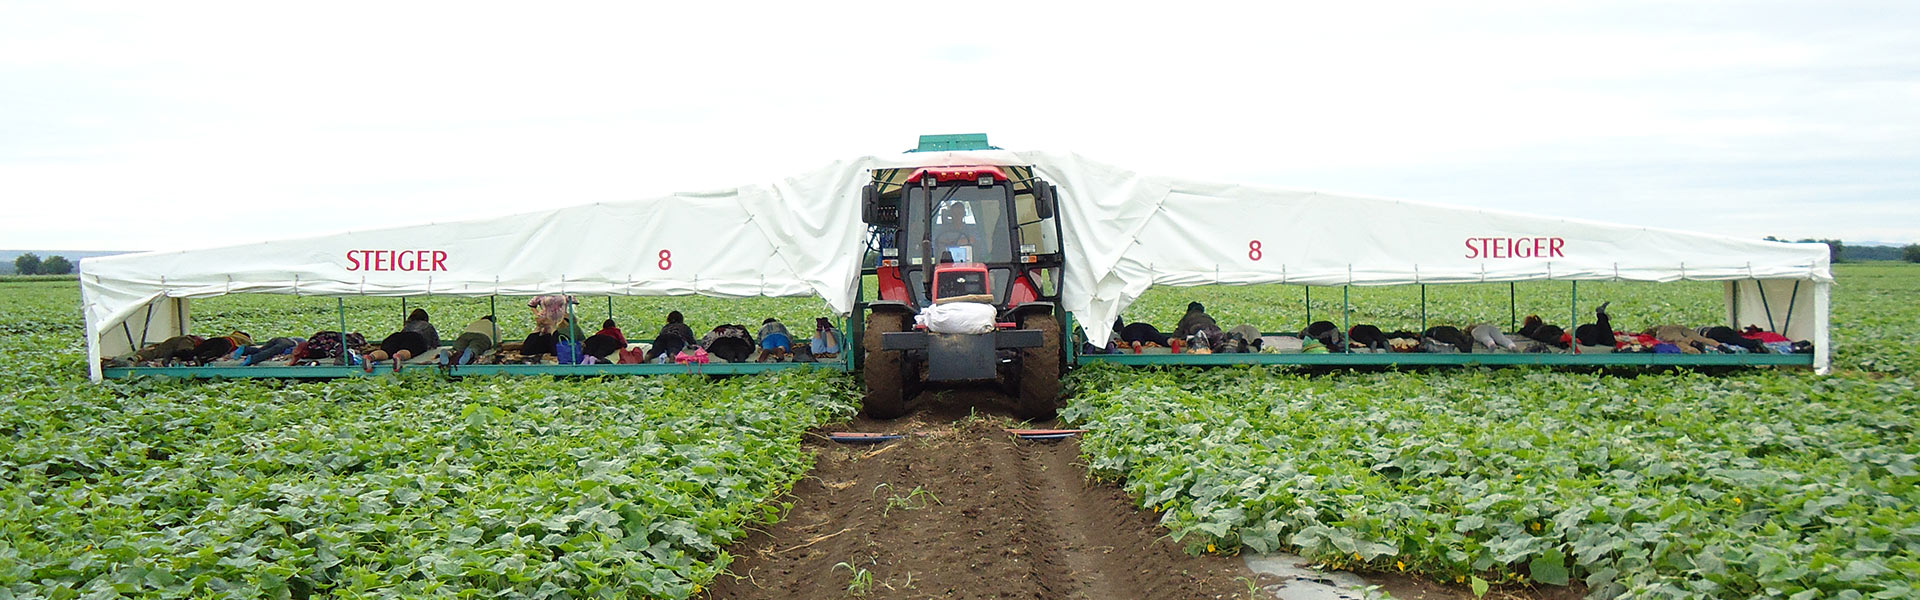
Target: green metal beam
[(948, 142), (1545, 359), (333, 372)]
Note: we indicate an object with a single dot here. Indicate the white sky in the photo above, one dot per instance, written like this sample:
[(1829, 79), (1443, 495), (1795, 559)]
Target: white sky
[(171, 125)]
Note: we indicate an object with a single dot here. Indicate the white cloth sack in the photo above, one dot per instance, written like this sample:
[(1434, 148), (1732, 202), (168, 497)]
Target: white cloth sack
[(958, 317)]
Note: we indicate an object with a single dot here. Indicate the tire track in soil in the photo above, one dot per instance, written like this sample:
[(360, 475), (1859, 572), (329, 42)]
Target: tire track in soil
[(960, 509)]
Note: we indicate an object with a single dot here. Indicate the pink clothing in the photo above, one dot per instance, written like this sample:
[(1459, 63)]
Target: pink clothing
[(549, 311)]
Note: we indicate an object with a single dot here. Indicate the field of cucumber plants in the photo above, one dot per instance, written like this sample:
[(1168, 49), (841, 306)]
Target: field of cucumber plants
[(1751, 483), (1756, 483), (387, 487)]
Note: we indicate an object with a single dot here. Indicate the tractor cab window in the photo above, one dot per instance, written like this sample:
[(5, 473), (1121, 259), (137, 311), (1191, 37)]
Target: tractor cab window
[(968, 224)]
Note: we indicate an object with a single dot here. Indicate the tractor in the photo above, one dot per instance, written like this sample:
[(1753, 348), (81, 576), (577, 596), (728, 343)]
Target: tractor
[(966, 233)]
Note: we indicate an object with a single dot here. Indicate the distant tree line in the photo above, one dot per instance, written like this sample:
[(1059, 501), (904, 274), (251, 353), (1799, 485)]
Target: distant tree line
[(1840, 251), (1835, 247), (31, 264)]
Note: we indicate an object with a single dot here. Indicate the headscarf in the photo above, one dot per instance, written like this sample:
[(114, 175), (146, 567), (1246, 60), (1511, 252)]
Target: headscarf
[(549, 311)]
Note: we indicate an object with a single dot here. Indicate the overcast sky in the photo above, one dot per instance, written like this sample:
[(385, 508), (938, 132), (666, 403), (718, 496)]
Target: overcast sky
[(171, 125)]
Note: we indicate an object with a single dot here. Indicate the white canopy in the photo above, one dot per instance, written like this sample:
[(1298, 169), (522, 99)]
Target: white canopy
[(802, 236)]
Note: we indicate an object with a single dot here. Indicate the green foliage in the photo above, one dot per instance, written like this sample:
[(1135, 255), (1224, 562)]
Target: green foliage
[(915, 499), (408, 486), (859, 580), (1911, 253), (1836, 248), (1763, 483), (1757, 484), (27, 264), (54, 265), (1709, 486)]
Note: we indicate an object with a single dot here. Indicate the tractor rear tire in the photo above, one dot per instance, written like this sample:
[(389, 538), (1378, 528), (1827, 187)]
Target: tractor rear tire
[(1040, 371), (884, 370)]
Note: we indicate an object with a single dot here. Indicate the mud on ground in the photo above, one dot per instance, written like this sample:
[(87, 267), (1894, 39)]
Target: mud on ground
[(962, 509)]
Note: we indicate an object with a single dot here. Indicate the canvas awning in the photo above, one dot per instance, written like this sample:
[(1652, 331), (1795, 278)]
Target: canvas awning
[(802, 236)]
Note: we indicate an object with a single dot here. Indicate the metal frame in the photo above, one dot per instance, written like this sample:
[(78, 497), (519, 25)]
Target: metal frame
[(1481, 359), (339, 372)]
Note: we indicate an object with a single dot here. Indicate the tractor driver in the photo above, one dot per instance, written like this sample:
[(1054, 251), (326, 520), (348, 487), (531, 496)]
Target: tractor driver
[(954, 237)]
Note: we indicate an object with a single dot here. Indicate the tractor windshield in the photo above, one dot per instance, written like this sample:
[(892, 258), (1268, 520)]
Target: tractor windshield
[(968, 224)]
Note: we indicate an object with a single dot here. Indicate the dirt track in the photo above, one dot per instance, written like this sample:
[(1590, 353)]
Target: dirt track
[(961, 509)]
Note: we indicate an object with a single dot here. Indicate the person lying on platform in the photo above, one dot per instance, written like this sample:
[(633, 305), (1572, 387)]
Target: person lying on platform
[(1728, 337), (1327, 334), (611, 329), (602, 345), (1207, 338), (1140, 333), (826, 339), (1689, 341), (1598, 335), (1489, 337), (474, 341), (776, 343), (729, 342), (1243, 338), (538, 343), (415, 338), (550, 325), (1539, 330), (179, 347), (1445, 339), (324, 345), (673, 337), (253, 355), (216, 348), (1195, 319), (1369, 336)]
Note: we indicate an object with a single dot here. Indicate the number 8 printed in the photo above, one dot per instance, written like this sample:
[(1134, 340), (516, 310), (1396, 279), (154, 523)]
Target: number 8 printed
[(1253, 250), (666, 259)]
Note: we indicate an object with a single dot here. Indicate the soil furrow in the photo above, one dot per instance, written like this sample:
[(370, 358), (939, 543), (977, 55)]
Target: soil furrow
[(960, 509)]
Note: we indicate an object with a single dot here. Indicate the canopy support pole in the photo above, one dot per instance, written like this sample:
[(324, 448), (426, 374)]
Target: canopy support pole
[(403, 309), (1423, 309), (1791, 300), (495, 320), (1309, 304), (855, 330), (573, 322), (145, 326), (340, 305), (1346, 313), (1765, 305), (1573, 311), (609, 307), (129, 331), (1513, 308)]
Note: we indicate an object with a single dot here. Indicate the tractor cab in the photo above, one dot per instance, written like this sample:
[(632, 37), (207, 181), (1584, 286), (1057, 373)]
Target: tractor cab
[(976, 232), (980, 234)]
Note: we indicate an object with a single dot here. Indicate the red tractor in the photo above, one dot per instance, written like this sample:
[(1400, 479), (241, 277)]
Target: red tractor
[(963, 234)]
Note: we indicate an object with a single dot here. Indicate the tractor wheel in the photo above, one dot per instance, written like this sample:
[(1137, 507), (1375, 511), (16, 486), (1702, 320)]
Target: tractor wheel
[(885, 370), (1040, 371)]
